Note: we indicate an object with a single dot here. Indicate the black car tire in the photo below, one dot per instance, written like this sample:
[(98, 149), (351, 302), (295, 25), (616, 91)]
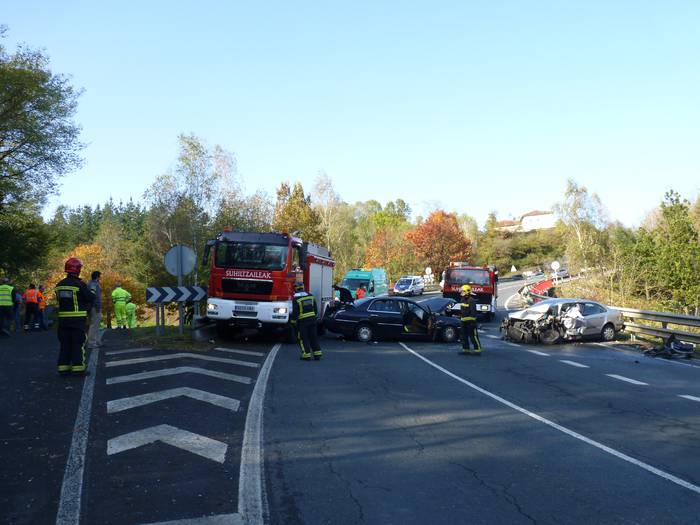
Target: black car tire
[(364, 333), (607, 334), (449, 334)]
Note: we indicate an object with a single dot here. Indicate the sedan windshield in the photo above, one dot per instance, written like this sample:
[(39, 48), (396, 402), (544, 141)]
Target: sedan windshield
[(353, 284), (404, 282), (251, 256)]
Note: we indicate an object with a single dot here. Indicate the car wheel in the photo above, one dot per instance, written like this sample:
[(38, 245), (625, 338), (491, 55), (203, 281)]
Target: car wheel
[(550, 337), (364, 333), (608, 333), (449, 334)]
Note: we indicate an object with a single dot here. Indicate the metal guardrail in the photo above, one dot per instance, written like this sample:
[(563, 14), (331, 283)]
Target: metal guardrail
[(630, 315), (665, 318)]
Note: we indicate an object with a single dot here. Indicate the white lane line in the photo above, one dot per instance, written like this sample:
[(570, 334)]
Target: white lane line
[(560, 428), (126, 403), (627, 379), (219, 519), (178, 370), (176, 437), (252, 501), (492, 336), (181, 355), (505, 305), (128, 351), (241, 352), (537, 352), (691, 398), (72, 487), (511, 344), (573, 363)]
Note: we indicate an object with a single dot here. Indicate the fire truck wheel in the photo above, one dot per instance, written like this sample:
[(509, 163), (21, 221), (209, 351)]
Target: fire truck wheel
[(364, 333)]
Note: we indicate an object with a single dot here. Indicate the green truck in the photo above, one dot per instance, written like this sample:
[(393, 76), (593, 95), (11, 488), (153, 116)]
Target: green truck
[(374, 279)]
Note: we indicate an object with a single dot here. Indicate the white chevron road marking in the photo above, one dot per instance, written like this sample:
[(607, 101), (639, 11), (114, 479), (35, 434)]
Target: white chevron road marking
[(126, 403), (176, 437), (241, 352), (178, 370), (128, 351), (181, 355)]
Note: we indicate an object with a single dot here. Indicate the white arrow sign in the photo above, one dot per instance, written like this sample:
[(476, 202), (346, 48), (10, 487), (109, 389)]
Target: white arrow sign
[(136, 401), (176, 437)]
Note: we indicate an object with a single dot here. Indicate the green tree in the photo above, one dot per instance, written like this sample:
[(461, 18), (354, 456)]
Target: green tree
[(38, 137), (294, 213)]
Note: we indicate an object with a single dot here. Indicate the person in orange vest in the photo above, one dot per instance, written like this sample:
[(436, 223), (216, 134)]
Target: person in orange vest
[(31, 308), (360, 293), (43, 324)]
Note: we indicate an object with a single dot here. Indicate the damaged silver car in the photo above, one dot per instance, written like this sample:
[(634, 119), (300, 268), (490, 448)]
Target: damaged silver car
[(555, 320)]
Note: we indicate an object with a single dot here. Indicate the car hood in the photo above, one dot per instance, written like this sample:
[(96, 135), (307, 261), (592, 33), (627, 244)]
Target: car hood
[(530, 314), (344, 294), (438, 304)]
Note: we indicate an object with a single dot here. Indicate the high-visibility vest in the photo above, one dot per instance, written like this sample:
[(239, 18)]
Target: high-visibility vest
[(68, 305), (31, 295), (42, 301), (5, 295), (119, 295), (306, 307)]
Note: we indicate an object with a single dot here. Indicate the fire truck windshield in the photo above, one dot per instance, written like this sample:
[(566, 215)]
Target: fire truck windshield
[(468, 276), (251, 256)]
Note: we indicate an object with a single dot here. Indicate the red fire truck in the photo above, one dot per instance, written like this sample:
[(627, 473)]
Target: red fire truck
[(253, 274), (484, 283)]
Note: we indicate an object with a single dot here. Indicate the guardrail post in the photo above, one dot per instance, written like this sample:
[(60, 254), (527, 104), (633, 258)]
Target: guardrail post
[(664, 324)]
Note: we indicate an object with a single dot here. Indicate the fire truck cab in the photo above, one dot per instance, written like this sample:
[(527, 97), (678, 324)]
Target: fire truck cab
[(484, 283), (252, 278)]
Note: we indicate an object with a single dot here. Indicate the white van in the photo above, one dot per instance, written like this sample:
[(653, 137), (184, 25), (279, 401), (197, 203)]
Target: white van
[(409, 285)]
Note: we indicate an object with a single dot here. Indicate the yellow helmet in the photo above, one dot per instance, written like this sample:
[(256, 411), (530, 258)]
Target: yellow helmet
[(466, 289)]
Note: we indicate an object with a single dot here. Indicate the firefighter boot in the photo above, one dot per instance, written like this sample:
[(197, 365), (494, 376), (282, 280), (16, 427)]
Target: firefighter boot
[(318, 355), (305, 356)]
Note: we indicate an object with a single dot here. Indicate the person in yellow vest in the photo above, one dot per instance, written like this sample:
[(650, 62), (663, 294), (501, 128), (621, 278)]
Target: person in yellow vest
[(130, 314), (6, 302), (119, 299), (303, 318), (467, 311)]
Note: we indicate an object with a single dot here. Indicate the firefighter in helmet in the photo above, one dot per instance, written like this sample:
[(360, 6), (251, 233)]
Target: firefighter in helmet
[(467, 310), (74, 302), (304, 312)]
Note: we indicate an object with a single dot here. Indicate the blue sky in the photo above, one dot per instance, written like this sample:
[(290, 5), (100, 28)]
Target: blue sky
[(475, 106)]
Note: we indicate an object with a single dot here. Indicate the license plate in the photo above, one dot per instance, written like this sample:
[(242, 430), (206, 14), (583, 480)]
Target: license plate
[(244, 308)]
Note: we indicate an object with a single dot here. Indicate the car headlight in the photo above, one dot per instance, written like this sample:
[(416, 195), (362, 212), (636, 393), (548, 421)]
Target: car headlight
[(212, 307), (280, 310)]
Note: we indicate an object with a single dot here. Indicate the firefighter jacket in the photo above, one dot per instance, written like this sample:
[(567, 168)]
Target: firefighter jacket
[(74, 302), (6, 295), (467, 310), (304, 307), (120, 295)]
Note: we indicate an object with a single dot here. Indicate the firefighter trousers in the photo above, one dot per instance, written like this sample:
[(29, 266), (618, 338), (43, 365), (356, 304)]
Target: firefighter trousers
[(71, 357), (469, 333), (307, 337)]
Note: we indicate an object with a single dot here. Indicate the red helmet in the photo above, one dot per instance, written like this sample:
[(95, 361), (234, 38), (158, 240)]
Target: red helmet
[(73, 265)]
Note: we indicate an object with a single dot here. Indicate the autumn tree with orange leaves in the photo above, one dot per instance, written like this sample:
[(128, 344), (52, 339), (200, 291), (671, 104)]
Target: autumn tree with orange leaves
[(440, 240)]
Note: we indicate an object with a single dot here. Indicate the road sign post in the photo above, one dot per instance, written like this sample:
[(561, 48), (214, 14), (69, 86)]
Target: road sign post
[(180, 261)]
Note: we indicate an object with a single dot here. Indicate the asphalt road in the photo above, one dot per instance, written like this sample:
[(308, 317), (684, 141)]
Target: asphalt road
[(373, 433)]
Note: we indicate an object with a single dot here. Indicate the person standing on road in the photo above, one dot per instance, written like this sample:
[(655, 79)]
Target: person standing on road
[(130, 314), (304, 313), (94, 334), (467, 310), (74, 301), (42, 308), (17, 309), (6, 300), (119, 299), (31, 308), (360, 293)]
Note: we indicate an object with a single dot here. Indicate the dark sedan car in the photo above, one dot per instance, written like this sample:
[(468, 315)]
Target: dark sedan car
[(393, 318)]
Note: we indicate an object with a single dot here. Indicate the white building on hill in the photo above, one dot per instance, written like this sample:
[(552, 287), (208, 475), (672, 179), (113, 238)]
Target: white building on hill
[(531, 221)]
